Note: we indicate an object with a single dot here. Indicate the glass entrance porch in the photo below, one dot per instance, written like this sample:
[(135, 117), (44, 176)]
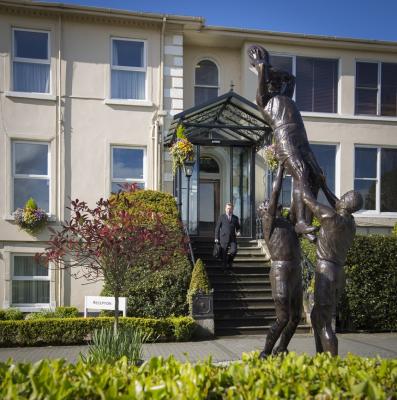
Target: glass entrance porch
[(233, 182), (226, 133)]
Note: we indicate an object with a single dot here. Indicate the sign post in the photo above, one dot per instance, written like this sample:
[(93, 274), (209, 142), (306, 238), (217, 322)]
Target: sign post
[(104, 303)]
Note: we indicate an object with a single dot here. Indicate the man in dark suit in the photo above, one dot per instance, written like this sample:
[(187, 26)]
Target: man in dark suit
[(226, 231)]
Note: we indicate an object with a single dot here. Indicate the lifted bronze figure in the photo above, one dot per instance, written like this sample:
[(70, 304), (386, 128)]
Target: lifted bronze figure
[(274, 98), (285, 273), (334, 240)]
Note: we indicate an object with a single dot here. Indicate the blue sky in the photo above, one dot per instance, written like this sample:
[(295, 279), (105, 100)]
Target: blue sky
[(367, 19)]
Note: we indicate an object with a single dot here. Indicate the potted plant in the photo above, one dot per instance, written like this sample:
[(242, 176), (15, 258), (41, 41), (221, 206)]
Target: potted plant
[(200, 299), (31, 218), (182, 150)]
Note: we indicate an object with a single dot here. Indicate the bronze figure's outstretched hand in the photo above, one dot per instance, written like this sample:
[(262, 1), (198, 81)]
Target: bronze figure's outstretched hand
[(258, 55)]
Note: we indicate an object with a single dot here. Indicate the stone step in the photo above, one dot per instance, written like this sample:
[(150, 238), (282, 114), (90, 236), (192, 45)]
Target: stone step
[(232, 293), (242, 303), (245, 312)]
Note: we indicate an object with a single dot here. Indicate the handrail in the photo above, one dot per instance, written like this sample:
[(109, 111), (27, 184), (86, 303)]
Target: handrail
[(189, 244)]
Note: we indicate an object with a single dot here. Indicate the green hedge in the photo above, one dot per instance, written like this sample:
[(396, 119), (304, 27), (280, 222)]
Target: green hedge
[(11, 314), (370, 298), (67, 331), (161, 291), (290, 377)]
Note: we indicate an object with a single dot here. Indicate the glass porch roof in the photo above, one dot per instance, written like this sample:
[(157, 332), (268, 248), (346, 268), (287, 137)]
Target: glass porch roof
[(230, 119)]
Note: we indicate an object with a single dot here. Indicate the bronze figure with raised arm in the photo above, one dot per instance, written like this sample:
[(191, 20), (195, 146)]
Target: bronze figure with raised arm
[(334, 240), (274, 98), (285, 273)]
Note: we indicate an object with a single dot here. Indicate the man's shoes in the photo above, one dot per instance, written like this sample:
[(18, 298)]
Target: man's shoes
[(264, 355), (303, 228)]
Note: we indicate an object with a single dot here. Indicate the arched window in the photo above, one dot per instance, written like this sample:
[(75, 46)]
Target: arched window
[(209, 165), (206, 82)]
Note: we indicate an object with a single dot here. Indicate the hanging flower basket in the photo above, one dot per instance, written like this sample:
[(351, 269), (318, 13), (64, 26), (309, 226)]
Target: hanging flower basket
[(31, 218), (182, 150), (270, 157)]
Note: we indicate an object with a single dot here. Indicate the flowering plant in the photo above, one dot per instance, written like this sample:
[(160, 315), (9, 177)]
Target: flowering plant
[(270, 156), (31, 218), (181, 150)]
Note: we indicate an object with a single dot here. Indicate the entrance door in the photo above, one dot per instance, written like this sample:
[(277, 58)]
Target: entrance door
[(209, 206)]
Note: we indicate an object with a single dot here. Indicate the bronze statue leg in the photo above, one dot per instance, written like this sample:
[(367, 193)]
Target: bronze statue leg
[(280, 292), (329, 277), (296, 295)]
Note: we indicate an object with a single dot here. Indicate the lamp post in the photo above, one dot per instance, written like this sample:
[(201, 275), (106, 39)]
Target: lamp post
[(188, 166)]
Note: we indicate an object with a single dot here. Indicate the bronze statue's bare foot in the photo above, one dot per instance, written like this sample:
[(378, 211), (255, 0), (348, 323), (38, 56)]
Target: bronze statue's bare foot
[(264, 355)]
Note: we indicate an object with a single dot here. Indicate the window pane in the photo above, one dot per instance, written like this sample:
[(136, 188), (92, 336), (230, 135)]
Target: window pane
[(118, 186), (316, 84), (27, 266), (325, 155), (206, 73), (30, 292), (282, 62), (36, 188), (127, 163), (366, 75), (30, 77), (365, 162), (30, 44), (128, 85), (366, 100), (203, 94), (389, 89), (388, 180), (368, 191), (31, 158), (128, 53), (286, 191)]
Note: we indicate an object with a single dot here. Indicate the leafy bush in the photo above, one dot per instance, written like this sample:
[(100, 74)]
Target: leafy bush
[(289, 377), (370, 297), (11, 314), (371, 282), (67, 331), (107, 346), (156, 292), (394, 230), (59, 312), (199, 282)]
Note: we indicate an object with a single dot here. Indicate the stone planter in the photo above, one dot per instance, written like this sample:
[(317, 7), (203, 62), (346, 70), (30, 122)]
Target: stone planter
[(203, 314)]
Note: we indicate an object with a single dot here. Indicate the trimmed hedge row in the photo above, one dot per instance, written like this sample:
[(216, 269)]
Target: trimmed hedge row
[(290, 377), (67, 331), (370, 298)]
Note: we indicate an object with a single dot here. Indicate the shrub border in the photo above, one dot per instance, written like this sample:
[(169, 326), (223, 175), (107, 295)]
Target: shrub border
[(70, 331)]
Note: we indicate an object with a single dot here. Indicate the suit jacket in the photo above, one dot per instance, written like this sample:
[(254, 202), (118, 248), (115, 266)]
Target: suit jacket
[(225, 231)]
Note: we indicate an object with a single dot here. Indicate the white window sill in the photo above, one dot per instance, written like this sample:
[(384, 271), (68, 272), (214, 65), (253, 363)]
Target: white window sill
[(125, 102), (32, 308), (10, 217), (349, 117), (28, 95), (374, 214)]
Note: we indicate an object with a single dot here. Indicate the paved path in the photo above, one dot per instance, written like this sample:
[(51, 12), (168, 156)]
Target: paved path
[(222, 349)]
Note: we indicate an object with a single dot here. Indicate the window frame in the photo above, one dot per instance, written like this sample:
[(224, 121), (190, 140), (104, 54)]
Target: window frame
[(376, 212), (128, 180), (379, 88), (206, 86), (31, 60), (338, 86), (130, 69), (30, 176), (337, 170), (29, 306)]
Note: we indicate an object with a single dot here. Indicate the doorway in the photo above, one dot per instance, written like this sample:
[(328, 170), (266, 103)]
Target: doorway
[(209, 193)]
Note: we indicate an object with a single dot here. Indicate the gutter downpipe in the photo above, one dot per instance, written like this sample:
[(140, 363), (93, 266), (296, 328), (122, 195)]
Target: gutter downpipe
[(161, 113), (59, 151)]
